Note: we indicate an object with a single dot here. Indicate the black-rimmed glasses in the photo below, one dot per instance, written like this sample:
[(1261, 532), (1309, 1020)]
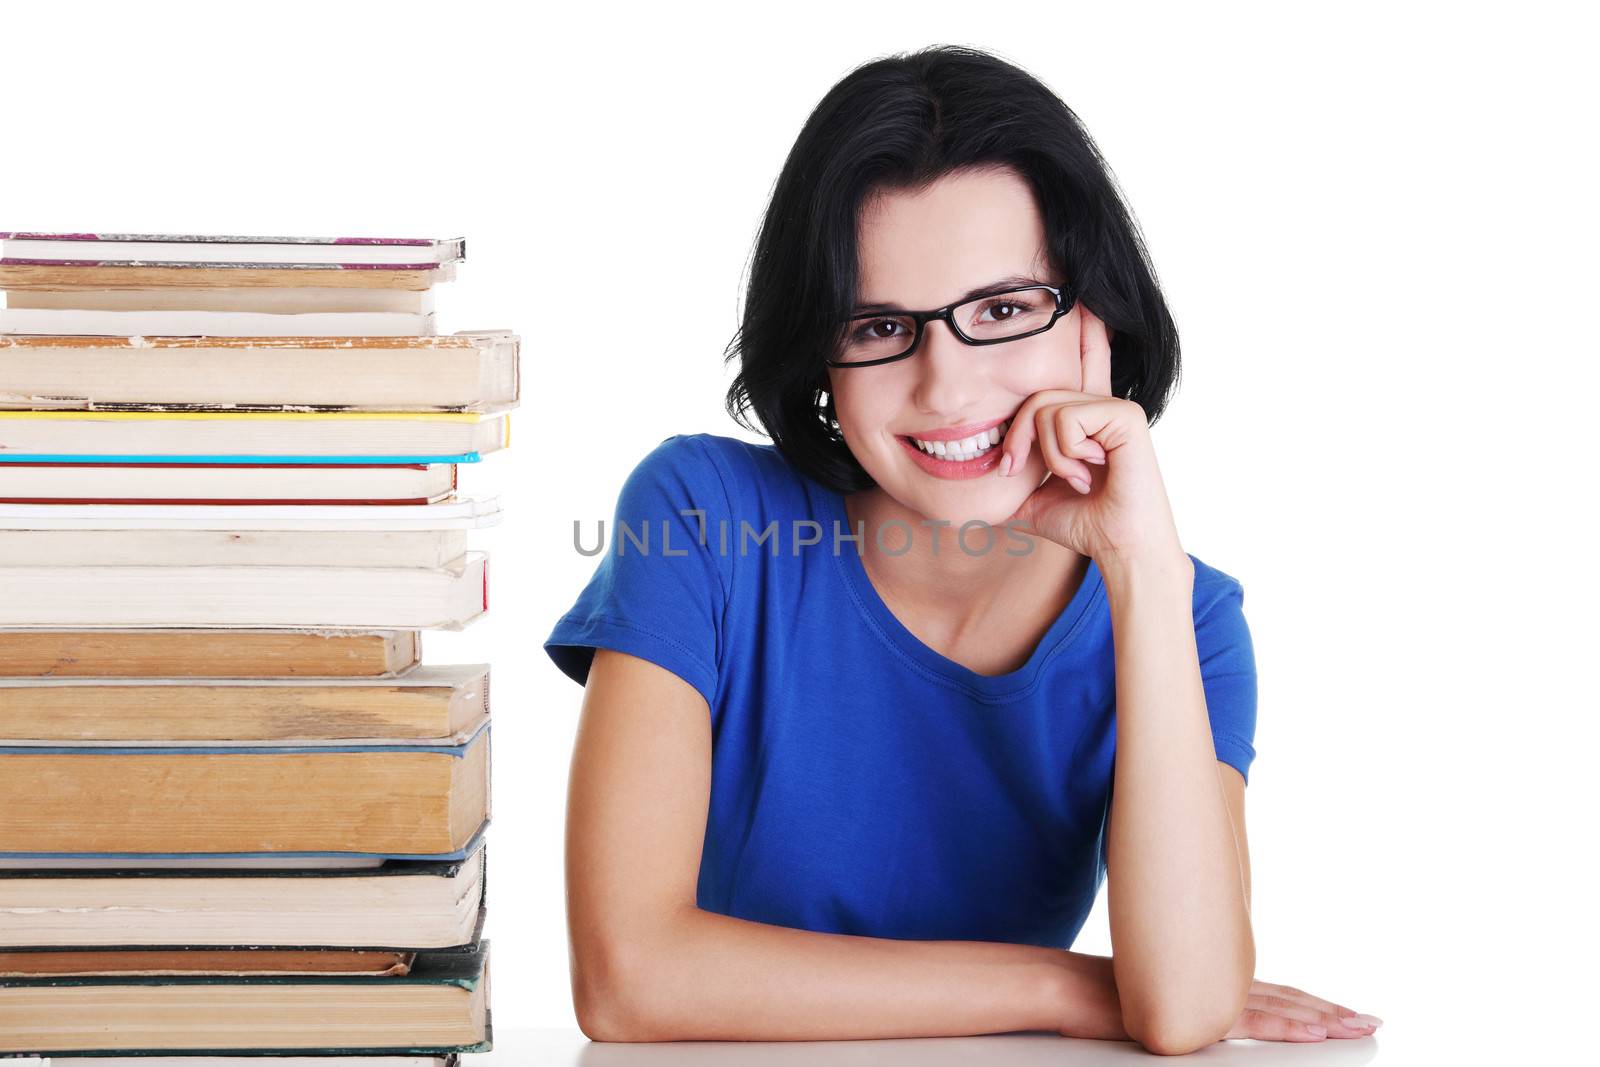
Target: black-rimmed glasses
[(885, 336)]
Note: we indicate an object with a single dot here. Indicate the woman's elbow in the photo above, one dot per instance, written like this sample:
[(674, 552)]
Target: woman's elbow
[(1175, 1029), (611, 995), (1178, 1038)]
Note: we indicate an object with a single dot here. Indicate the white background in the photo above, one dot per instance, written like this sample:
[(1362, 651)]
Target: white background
[(1376, 228)]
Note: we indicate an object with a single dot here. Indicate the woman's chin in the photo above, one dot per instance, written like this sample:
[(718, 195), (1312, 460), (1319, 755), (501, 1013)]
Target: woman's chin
[(990, 501)]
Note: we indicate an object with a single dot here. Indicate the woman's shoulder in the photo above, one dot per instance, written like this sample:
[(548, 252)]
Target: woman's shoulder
[(1215, 590), (711, 465)]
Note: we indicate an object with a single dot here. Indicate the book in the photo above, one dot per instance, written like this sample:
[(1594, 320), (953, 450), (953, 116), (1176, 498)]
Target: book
[(450, 1060), (104, 799), (427, 702), (464, 371), (440, 1006), (209, 483), (231, 548), (251, 436), (27, 963), (292, 300), (23, 275), (383, 598), (466, 513), (67, 321), (388, 905), (208, 653), (167, 248)]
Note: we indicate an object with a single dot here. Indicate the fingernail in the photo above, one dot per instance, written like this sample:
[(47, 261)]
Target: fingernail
[(1094, 459), (1005, 465), (1078, 483), (1362, 1020), (1316, 1031)]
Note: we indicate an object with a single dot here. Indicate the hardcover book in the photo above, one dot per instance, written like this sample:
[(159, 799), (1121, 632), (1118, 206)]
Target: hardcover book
[(388, 905), (208, 653), (440, 1006), (427, 703), (405, 253), (409, 798), (253, 597), (251, 436), (464, 371)]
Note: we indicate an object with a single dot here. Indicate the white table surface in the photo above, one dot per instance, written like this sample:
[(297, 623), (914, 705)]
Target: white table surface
[(558, 1048)]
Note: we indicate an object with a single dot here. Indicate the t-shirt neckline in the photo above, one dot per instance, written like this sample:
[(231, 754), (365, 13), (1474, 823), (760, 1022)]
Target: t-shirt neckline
[(991, 688)]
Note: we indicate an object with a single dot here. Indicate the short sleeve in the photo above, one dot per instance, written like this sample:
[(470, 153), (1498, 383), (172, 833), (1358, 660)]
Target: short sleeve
[(1227, 665), (659, 591)]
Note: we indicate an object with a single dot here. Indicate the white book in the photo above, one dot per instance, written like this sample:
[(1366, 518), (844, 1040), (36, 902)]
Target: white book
[(232, 548), (243, 436), (251, 597), (214, 323), (467, 513), (182, 248), (470, 370), (189, 483)]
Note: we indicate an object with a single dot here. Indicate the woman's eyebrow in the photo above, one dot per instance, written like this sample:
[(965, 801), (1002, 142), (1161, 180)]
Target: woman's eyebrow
[(998, 286)]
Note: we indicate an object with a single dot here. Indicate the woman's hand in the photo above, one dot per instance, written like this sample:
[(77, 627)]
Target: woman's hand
[(1121, 512), (1283, 1013)]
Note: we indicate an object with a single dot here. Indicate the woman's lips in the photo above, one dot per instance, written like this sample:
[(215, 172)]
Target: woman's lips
[(955, 469)]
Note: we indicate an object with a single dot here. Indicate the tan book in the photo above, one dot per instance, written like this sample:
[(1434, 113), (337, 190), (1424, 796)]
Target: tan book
[(394, 906), (428, 702), (103, 799), (441, 1005), (207, 653), (238, 961), (53, 276), (466, 370)]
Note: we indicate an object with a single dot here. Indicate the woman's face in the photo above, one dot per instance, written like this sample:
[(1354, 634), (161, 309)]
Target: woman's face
[(970, 229)]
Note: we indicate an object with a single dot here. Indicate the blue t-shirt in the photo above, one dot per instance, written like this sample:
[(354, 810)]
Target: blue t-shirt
[(863, 783)]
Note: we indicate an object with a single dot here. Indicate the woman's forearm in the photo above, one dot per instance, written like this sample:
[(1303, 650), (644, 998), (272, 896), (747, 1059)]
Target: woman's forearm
[(1183, 951), (705, 976)]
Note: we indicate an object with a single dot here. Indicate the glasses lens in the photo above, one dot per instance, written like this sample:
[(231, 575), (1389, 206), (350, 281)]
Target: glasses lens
[(876, 337), (1005, 314)]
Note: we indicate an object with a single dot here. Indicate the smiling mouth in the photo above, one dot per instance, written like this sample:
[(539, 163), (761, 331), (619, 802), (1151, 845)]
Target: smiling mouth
[(968, 448)]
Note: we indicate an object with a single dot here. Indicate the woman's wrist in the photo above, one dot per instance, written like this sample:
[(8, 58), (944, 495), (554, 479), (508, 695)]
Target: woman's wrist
[(1085, 998), (1123, 571)]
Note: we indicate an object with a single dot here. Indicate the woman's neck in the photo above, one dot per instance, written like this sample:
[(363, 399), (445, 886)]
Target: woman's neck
[(935, 574)]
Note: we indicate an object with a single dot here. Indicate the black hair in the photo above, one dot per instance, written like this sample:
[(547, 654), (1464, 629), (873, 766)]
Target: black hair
[(901, 122)]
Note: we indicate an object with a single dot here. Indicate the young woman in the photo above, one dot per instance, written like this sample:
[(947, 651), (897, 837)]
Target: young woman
[(856, 700)]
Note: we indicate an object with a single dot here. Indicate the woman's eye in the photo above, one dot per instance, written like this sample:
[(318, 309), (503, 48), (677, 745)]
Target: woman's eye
[(1011, 306), (875, 331)]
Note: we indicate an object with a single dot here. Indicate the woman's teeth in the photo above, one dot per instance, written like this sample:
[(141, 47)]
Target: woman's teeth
[(966, 448)]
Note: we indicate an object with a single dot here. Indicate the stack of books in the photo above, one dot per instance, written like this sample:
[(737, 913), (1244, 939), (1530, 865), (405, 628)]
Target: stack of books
[(241, 818)]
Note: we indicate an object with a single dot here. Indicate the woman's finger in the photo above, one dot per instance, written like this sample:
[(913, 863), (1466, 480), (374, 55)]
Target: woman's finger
[(1267, 1026), (1071, 439), (1019, 439), (1302, 997), (1096, 353), (1291, 1009), (1060, 464)]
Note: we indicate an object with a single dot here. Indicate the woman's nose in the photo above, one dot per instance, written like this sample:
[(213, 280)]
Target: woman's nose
[(950, 380)]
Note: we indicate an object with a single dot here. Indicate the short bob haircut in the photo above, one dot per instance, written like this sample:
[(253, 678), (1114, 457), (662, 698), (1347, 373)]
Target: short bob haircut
[(901, 122)]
